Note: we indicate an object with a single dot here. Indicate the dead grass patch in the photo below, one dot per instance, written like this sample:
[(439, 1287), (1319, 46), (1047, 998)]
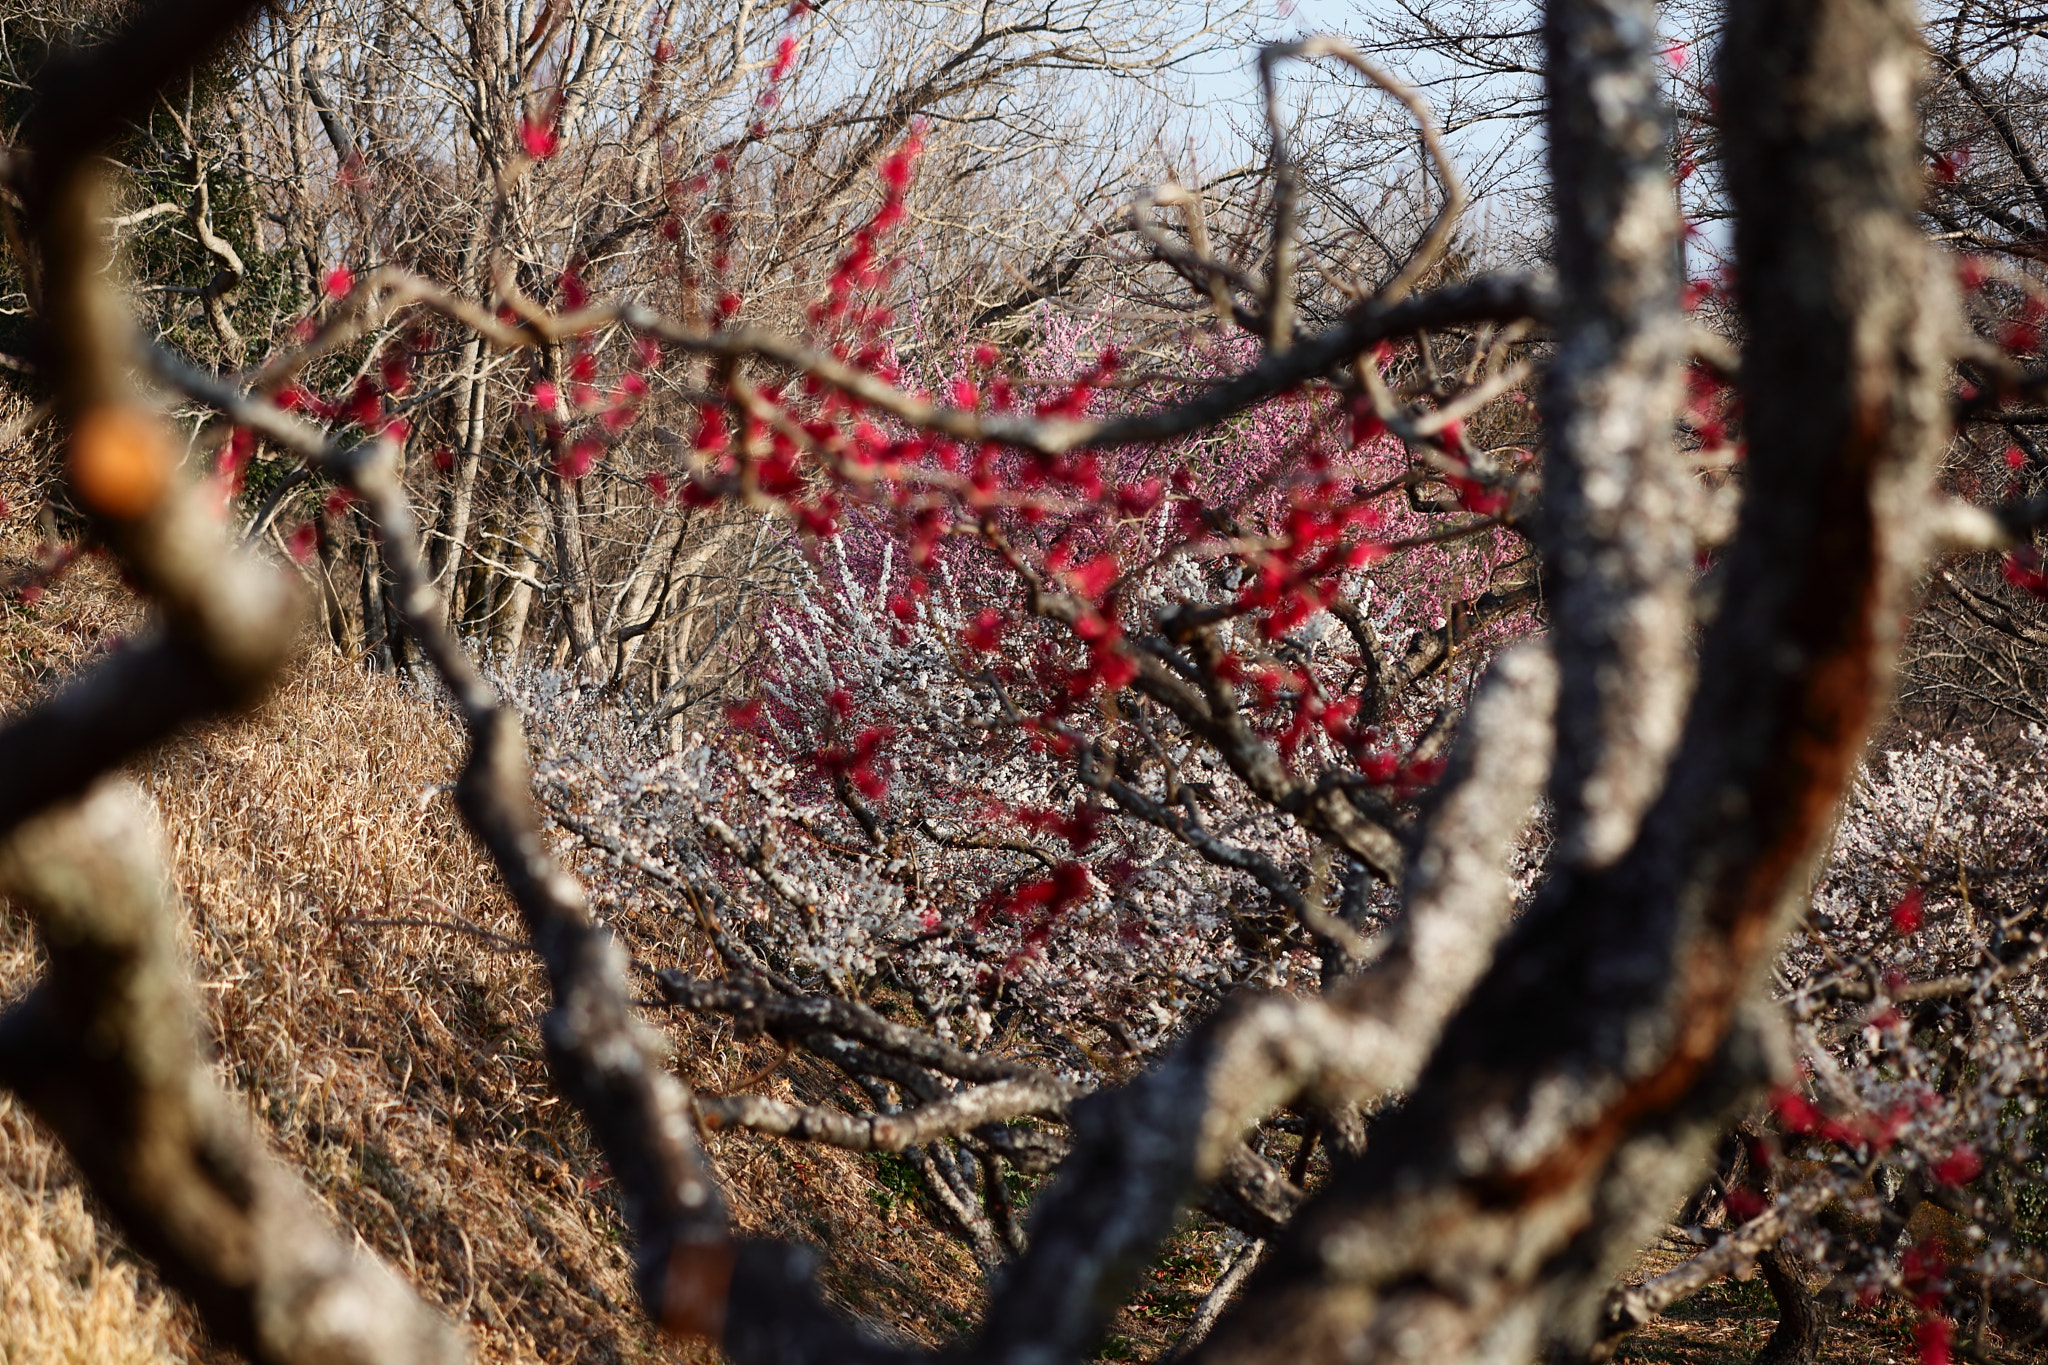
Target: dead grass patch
[(397, 1067)]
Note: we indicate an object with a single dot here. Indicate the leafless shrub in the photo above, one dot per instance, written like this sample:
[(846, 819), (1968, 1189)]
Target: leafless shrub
[(1561, 1073)]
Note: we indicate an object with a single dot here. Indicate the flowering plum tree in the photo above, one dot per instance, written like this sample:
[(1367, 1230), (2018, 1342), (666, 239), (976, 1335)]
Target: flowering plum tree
[(1901, 1155), (1163, 704)]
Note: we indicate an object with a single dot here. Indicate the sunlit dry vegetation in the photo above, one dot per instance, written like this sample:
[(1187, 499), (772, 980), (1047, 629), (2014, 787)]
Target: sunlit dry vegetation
[(854, 682)]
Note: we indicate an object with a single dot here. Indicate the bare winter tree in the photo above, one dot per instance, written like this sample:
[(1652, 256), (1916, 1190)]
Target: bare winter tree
[(1543, 1062), (334, 139)]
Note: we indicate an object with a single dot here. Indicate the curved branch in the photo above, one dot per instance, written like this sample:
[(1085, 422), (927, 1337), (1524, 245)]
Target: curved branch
[(1629, 1308), (108, 1052), (1590, 1069), (958, 1113), (597, 1051)]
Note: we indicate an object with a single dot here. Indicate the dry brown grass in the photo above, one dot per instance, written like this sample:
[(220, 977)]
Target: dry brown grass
[(1727, 1323), (64, 1300), (398, 1068)]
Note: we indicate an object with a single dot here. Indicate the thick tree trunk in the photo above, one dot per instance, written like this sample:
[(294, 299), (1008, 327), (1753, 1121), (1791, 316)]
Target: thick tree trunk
[(508, 626), (335, 611), (370, 591), (1574, 1098), (468, 431), (579, 619), (1797, 1338)]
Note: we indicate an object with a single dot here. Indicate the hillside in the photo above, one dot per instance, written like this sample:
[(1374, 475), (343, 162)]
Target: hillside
[(362, 977), (394, 1062)]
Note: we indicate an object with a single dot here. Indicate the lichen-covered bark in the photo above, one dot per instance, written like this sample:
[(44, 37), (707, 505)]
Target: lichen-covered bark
[(107, 1051), (1571, 1099), (1617, 547), (1575, 1084), (1797, 1337)]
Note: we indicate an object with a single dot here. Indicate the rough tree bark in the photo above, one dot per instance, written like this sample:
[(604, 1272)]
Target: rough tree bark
[(108, 1052), (1617, 549), (1585, 1064), (1796, 1339), (1569, 1103), (107, 1049)]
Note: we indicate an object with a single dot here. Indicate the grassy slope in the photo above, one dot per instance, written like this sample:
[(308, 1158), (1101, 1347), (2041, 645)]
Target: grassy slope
[(1731, 1320), (398, 1067)]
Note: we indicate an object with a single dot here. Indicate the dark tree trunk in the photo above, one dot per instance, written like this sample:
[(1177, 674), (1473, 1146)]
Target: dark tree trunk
[(1797, 1338), (334, 611), (376, 632)]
